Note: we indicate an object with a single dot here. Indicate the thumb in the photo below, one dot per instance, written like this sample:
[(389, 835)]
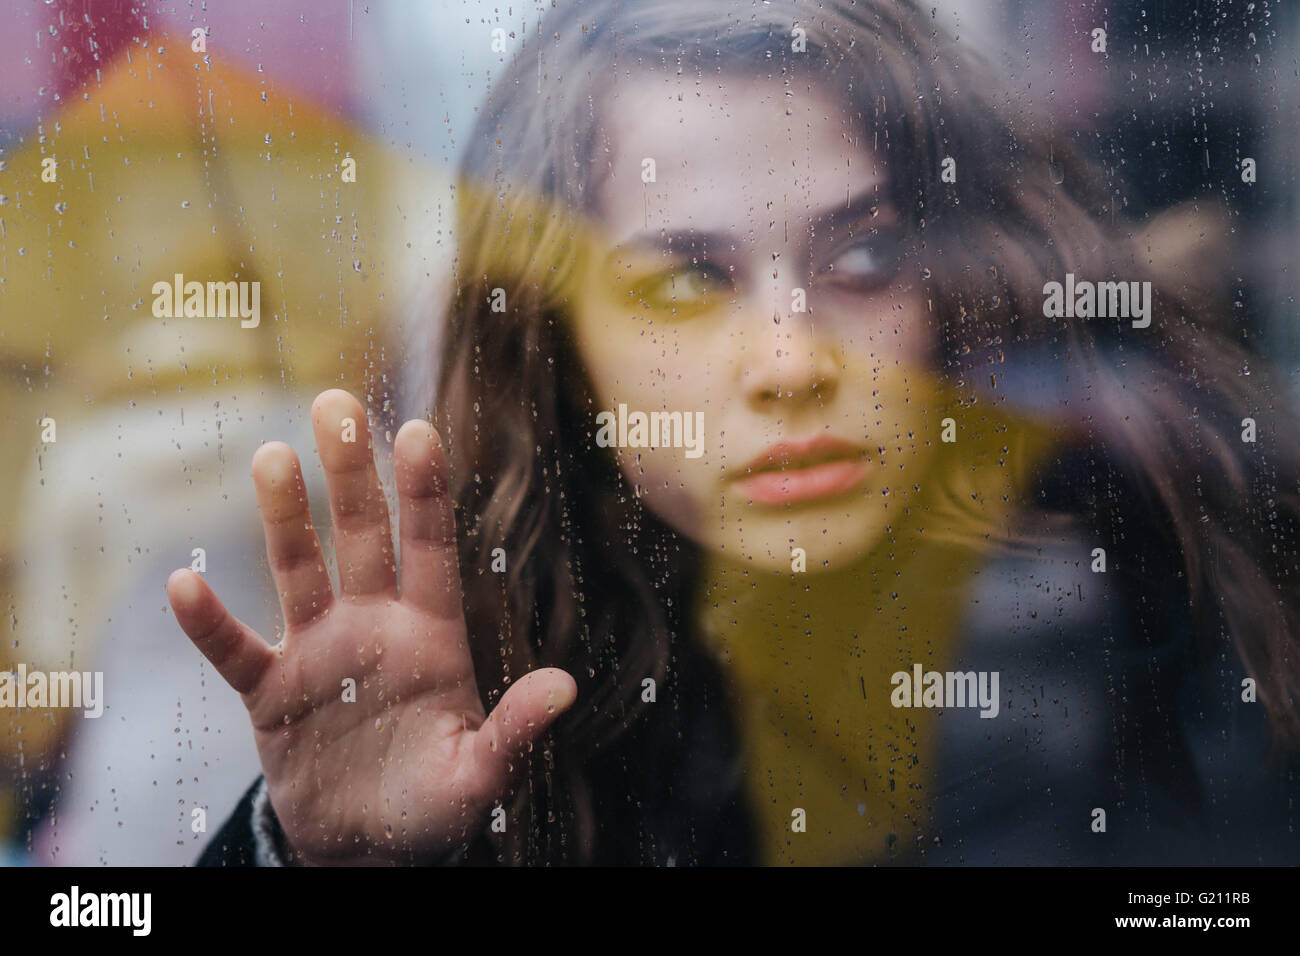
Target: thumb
[(523, 714)]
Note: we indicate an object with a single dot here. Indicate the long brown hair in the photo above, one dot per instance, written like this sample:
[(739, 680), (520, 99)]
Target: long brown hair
[(595, 583)]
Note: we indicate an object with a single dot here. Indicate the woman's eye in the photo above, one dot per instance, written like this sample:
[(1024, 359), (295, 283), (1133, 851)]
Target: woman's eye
[(870, 263), (685, 288)]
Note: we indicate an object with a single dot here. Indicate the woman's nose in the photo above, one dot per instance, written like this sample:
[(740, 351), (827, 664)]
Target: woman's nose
[(789, 362)]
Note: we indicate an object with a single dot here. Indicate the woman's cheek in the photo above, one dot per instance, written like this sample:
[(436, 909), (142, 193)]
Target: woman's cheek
[(912, 422), (660, 430), (675, 488)]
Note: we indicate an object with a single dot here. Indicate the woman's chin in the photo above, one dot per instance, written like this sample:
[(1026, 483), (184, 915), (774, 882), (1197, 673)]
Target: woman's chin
[(799, 542)]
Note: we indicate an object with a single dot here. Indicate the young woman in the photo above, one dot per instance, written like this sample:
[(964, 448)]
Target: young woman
[(775, 513)]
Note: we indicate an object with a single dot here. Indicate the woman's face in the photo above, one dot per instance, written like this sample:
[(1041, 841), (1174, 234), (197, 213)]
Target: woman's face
[(758, 280)]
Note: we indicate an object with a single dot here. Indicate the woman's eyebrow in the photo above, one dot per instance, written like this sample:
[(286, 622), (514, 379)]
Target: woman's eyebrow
[(678, 242), (831, 218)]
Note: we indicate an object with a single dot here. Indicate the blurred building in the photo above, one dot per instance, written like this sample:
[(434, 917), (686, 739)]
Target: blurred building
[(171, 161)]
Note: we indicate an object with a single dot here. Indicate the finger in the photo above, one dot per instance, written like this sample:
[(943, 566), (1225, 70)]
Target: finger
[(363, 538), (524, 712), (292, 548), (427, 522), (238, 653)]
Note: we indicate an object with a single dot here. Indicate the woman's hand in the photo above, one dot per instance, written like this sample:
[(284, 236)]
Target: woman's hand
[(412, 767)]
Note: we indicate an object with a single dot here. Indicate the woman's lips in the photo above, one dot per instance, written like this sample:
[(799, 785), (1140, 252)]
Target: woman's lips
[(819, 468)]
